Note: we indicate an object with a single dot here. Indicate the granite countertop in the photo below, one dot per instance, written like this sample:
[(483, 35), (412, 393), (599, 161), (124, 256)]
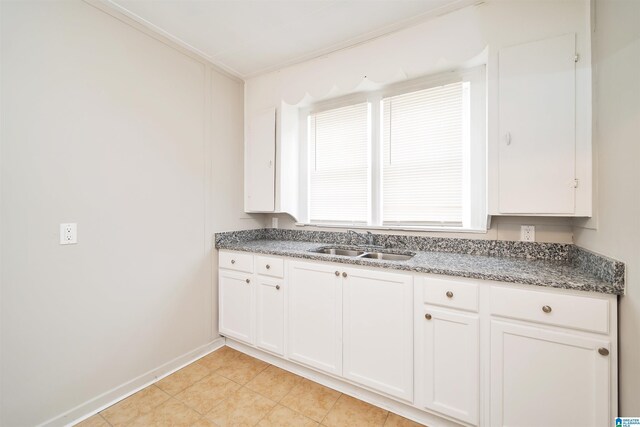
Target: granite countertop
[(540, 272)]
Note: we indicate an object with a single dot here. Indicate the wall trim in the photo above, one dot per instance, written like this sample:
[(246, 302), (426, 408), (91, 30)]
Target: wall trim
[(108, 398), (347, 388), (151, 30)]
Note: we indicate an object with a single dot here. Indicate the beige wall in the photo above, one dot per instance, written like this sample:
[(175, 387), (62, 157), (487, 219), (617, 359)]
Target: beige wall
[(616, 229), (550, 230), (141, 145)]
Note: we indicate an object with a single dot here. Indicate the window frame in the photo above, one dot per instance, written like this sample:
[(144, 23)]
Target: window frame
[(475, 217)]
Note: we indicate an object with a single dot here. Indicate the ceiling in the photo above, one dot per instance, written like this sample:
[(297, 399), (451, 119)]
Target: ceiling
[(249, 37)]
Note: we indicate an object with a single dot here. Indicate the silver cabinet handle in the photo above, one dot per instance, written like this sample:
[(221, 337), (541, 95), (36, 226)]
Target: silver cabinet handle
[(277, 287), (546, 309), (449, 294), (427, 316), (603, 351), (344, 274), (507, 138), (337, 273), (233, 261), (248, 281), (268, 266)]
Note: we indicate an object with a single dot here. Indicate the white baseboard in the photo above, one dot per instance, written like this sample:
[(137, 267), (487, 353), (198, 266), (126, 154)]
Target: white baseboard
[(343, 386), (98, 403)]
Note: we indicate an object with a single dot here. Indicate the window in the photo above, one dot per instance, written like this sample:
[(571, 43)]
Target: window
[(339, 169), (423, 155), (410, 155)]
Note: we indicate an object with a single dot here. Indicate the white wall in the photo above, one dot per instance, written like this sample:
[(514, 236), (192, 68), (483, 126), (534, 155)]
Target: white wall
[(141, 145), (616, 229), (458, 39)]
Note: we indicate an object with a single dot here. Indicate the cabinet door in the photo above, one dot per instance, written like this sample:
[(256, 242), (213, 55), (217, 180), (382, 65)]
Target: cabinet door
[(537, 146), (448, 363), (378, 331), (270, 315), (260, 152), (315, 316), (236, 313), (547, 378)]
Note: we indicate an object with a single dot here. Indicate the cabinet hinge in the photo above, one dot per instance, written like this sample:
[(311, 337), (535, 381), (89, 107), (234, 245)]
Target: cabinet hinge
[(576, 58)]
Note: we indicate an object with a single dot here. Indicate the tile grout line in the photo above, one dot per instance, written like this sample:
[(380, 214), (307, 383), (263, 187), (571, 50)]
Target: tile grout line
[(105, 420), (260, 394), (149, 387), (385, 419), (270, 410), (332, 406)]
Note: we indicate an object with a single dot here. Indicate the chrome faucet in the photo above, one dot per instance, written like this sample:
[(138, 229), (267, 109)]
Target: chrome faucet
[(369, 238)]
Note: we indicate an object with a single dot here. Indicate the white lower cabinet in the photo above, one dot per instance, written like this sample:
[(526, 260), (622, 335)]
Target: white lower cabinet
[(315, 315), (270, 315), (378, 331), (548, 378), (448, 363), (469, 351), (236, 305)]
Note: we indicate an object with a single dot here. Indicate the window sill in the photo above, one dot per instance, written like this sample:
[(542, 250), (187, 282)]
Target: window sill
[(430, 228)]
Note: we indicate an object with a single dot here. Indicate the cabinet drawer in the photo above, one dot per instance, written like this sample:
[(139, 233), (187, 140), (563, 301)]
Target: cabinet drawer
[(578, 312), (236, 261), (450, 293), (270, 266)]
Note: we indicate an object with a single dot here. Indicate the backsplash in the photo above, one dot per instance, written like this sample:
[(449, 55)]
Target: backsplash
[(498, 248), (602, 267)]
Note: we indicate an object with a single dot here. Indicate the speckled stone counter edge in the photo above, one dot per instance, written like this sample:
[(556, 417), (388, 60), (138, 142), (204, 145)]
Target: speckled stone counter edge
[(608, 270)]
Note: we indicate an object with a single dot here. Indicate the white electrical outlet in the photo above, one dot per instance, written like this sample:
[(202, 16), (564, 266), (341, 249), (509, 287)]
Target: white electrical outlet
[(69, 233), (274, 222), (528, 233)]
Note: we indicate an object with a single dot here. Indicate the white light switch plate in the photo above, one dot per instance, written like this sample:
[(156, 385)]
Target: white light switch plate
[(68, 233)]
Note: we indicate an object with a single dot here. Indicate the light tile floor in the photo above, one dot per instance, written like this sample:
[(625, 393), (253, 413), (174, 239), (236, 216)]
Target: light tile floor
[(229, 388)]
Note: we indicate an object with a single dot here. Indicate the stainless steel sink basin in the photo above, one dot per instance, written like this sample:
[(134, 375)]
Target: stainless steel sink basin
[(387, 256), (361, 253), (338, 251)]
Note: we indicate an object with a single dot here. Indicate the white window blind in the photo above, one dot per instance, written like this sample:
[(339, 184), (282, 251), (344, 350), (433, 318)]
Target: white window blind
[(339, 165), (423, 155)]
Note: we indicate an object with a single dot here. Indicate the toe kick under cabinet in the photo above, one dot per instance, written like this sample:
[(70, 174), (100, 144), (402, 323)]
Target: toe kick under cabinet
[(460, 351)]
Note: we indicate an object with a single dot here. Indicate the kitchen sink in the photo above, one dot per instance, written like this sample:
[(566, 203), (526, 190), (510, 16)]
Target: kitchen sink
[(339, 251), (387, 256), (361, 253)]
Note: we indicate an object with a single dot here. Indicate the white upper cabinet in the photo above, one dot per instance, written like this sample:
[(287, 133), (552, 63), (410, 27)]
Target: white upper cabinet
[(260, 159), (271, 160), (537, 128)]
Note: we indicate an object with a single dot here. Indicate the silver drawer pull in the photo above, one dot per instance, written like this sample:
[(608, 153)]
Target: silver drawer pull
[(337, 273), (427, 316), (233, 261), (344, 274), (268, 266), (248, 281), (546, 309), (603, 351), (277, 287), (449, 294)]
